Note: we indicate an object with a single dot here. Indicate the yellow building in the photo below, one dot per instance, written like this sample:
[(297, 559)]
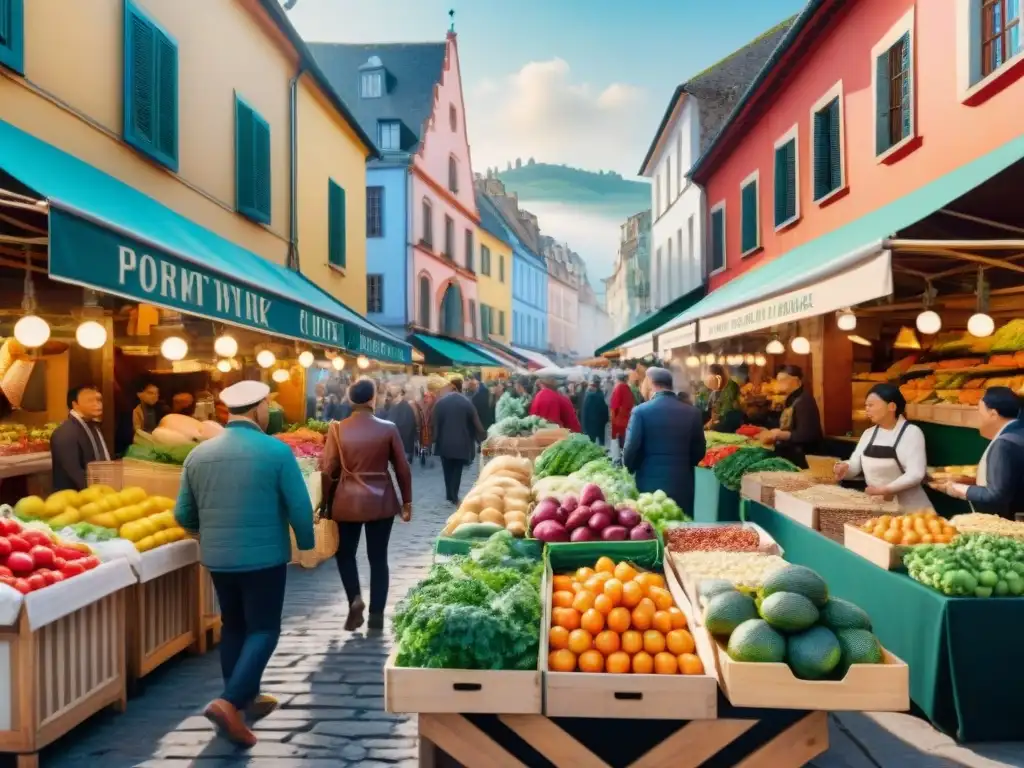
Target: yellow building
[(217, 112), (494, 276)]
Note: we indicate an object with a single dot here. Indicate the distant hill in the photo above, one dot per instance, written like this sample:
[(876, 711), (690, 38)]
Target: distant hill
[(572, 186)]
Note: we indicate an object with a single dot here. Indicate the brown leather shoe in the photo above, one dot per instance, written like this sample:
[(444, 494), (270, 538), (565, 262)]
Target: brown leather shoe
[(355, 615), (261, 706), (229, 720)]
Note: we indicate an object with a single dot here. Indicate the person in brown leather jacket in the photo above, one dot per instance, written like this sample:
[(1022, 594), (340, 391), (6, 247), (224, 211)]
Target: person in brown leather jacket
[(359, 492)]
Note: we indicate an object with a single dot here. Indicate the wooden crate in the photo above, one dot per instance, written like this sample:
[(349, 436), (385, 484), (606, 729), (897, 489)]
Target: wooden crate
[(603, 695), (207, 610), (866, 687), (874, 550), (155, 479), (162, 619), (60, 674)]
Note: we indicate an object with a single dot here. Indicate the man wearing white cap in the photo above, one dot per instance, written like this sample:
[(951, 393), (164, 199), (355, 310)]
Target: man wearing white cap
[(240, 492)]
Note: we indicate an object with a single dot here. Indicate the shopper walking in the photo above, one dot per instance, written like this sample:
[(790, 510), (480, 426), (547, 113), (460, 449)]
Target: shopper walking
[(360, 493), (240, 493), (403, 417), (664, 442), (554, 406), (621, 407), (456, 429), (595, 413), (481, 398)]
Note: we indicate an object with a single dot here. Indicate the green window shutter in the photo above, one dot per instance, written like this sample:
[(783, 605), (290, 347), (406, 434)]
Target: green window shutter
[(485, 320), (717, 234), (882, 85), (336, 242), (501, 322), (12, 35), (822, 153), (748, 217), (780, 185), (150, 88), (906, 101), (261, 173), (835, 146), (791, 179), (252, 164)]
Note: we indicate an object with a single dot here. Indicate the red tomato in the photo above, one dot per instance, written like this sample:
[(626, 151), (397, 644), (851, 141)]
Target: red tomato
[(54, 577), (8, 580), (5, 571), (18, 543), (73, 569), (42, 556), (36, 581), (5, 547), (22, 586), (8, 526), (90, 562), (59, 563), (51, 577), (37, 538), (20, 562)]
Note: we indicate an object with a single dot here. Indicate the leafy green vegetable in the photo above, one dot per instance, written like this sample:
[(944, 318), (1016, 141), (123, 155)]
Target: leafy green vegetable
[(161, 454), (508, 406), (566, 456), (89, 532), (659, 510), (516, 426), (714, 439), (730, 470), (972, 565), (617, 483), (311, 424)]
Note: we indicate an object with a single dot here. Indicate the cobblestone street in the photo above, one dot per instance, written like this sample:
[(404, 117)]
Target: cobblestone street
[(330, 682)]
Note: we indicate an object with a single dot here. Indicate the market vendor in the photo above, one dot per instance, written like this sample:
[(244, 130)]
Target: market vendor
[(146, 415), (724, 412), (799, 429), (1000, 488), (892, 455), (78, 440)]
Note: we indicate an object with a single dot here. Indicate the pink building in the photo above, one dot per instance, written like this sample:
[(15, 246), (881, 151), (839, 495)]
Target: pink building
[(444, 214)]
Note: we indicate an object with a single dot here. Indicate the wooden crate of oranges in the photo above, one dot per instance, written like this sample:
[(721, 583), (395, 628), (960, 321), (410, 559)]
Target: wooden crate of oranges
[(619, 646), (885, 540)]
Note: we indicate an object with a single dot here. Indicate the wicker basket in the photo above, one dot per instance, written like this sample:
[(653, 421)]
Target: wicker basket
[(325, 533), (155, 479)]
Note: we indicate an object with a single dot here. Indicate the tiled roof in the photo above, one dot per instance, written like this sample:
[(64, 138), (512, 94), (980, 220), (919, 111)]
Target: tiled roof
[(490, 219), (413, 69)]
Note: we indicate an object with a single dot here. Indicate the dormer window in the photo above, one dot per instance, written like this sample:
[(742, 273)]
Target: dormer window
[(389, 134), (371, 78)]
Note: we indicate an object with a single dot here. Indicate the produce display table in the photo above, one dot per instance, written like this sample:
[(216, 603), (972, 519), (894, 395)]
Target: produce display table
[(64, 659), (962, 652), (162, 607), (207, 612), (712, 502), (24, 464)]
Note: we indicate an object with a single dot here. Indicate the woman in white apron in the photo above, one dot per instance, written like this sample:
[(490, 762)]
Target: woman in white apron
[(890, 455)]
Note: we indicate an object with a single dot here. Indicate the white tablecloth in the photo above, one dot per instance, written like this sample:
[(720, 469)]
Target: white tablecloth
[(57, 601), (169, 557)]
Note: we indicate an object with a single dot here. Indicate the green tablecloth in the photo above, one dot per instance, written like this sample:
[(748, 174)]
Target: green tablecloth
[(711, 502), (963, 653)]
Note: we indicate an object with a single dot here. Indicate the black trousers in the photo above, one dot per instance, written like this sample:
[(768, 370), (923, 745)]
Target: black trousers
[(378, 533), (452, 469)]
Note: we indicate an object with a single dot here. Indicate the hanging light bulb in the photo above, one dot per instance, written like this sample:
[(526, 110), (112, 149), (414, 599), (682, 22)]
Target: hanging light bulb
[(225, 346), (709, 359), (363, 362), (800, 345), (775, 347), (265, 358), (224, 366), (693, 362), (760, 361), (846, 320), (749, 359), (174, 348), (32, 331), (91, 335), (338, 363), (980, 325), (929, 322), (280, 376), (306, 359)]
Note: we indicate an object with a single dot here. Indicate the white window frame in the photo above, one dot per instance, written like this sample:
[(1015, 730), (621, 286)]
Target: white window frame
[(793, 134), (389, 127), (835, 92), (719, 206), (970, 82), (371, 78), (904, 26), (753, 178)]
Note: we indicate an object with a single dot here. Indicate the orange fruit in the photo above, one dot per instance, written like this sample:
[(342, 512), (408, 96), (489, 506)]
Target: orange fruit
[(607, 642), (604, 565), (643, 663), (582, 574), (580, 640), (576, 587), (662, 598), (617, 663), (562, 660), (679, 641), (641, 619), (690, 664), (592, 621), (618, 620), (646, 605), (632, 594), (893, 535), (654, 642), (625, 572), (561, 584), (603, 604), (584, 601), (592, 661), (662, 621), (558, 638), (632, 641), (562, 599), (665, 664), (910, 538), (678, 618), (566, 617), (613, 589)]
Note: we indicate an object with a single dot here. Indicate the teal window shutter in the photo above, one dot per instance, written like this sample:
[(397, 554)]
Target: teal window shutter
[(822, 153), (906, 85), (882, 85), (749, 217), (252, 164), (150, 87), (336, 243), (791, 179), (12, 35), (835, 146), (717, 235), (780, 185)]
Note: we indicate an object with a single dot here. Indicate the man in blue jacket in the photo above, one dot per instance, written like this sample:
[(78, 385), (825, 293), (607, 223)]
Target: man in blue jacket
[(240, 492), (664, 442)]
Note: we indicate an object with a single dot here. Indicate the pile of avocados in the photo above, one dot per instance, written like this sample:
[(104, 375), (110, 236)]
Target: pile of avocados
[(791, 619)]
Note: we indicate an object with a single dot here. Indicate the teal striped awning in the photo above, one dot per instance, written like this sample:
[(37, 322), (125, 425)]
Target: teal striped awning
[(445, 351), (654, 321)]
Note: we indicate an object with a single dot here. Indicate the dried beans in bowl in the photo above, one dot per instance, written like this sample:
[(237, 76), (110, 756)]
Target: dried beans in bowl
[(719, 538)]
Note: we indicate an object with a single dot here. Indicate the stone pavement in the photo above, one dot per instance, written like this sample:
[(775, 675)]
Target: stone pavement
[(331, 687)]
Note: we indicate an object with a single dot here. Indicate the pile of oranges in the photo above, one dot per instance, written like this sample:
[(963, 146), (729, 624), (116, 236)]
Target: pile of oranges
[(924, 527), (613, 618)]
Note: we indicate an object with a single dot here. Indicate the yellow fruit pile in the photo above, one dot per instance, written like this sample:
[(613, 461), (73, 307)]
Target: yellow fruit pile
[(612, 618), (923, 527)]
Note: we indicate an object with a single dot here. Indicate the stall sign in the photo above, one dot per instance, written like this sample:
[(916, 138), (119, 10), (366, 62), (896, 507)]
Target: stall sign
[(676, 338), (88, 254), (872, 279)]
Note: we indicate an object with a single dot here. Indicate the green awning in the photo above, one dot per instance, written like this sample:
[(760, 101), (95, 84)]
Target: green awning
[(652, 322), (109, 236), (840, 251), (441, 350)]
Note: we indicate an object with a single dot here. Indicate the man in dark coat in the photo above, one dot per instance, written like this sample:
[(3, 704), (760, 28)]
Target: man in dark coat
[(595, 413), (456, 429), (664, 442), (403, 417), (481, 398), (78, 440)]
